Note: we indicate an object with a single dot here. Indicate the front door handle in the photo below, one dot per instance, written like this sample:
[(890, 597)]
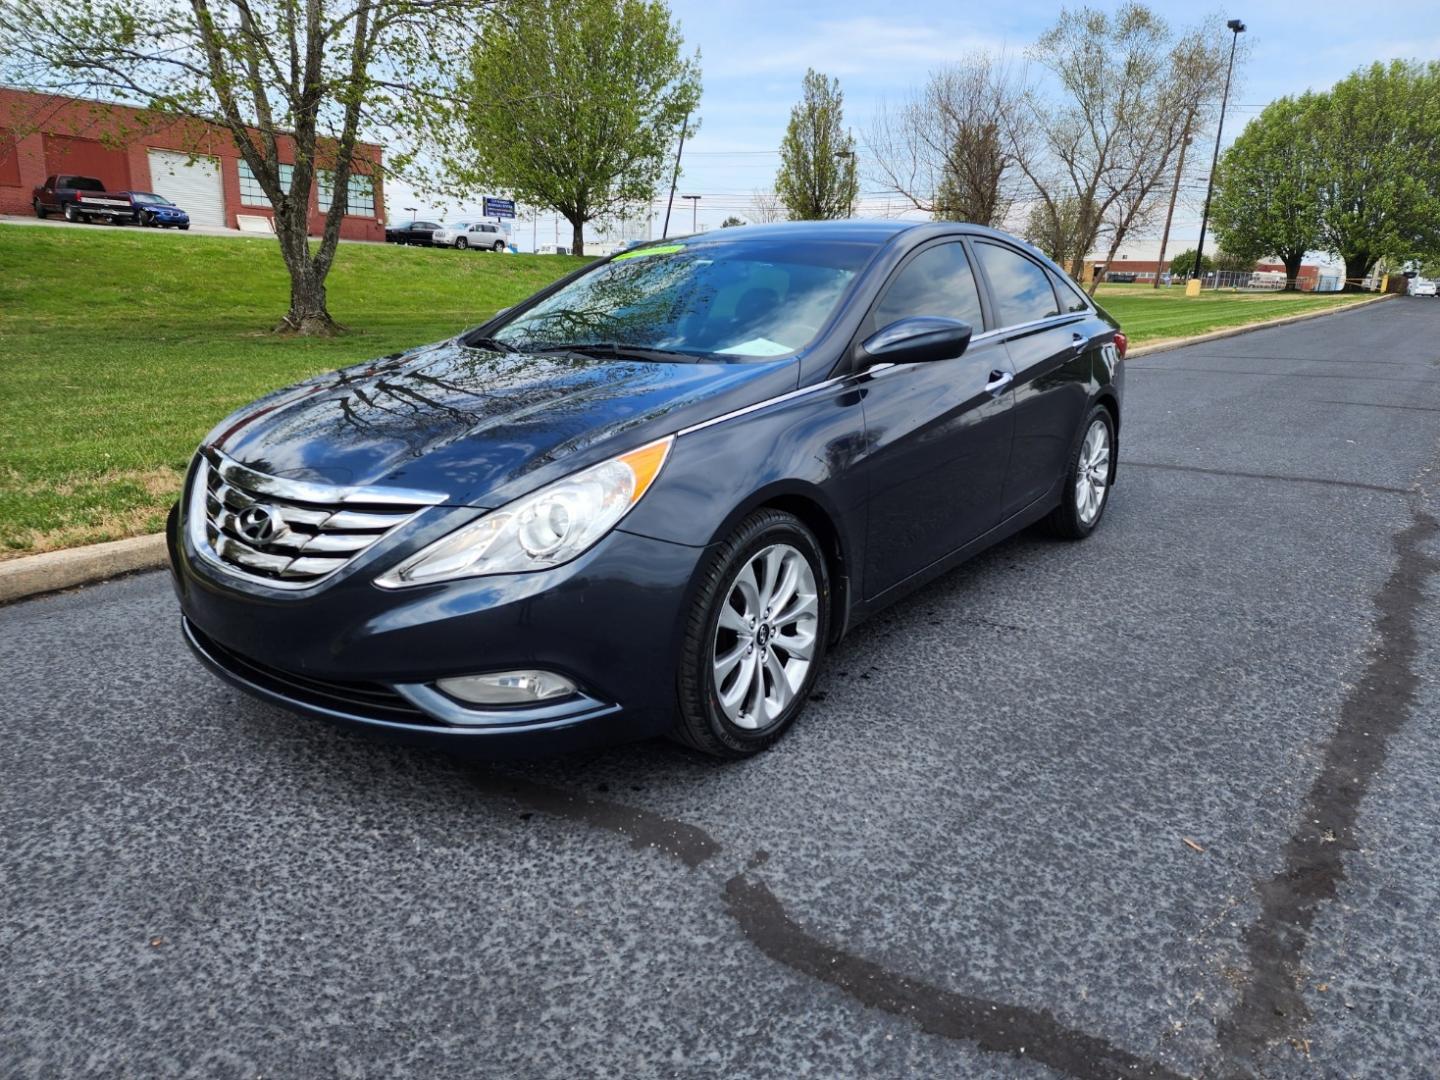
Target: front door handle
[(999, 382)]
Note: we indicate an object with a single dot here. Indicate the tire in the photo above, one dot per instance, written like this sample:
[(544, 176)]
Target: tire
[(144, 220), (40, 211), (723, 710), (499, 245), (70, 214), (461, 243), (184, 228), (1088, 478)]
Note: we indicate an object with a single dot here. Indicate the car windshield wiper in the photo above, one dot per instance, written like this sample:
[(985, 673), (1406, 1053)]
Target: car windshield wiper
[(490, 343), (617, 350)]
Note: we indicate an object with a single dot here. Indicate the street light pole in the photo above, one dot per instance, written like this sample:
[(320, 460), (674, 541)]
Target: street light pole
[(1236, 28), (694, 211)]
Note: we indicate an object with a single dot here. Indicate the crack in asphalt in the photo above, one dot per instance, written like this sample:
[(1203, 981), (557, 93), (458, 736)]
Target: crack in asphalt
[(1354, 484), (1033, 1034), (1378, 405), (1156, 369), (1271, 1006), (994, 1026)]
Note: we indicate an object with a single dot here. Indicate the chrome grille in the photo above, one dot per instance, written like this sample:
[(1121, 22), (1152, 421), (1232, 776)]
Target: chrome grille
[(289, 534)]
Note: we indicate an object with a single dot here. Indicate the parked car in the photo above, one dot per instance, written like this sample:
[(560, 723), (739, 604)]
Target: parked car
[(156, 211), (650, 497), (411, 232), (1421, 287), (79, 198), (470, 234), (1120, 277)]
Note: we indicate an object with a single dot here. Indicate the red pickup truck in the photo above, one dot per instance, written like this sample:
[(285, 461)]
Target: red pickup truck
[(81, 198)]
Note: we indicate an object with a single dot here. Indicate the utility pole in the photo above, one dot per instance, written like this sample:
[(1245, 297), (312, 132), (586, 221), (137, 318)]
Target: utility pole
[(675, 176), (1236, 28), (1185, 141), (694, 211)]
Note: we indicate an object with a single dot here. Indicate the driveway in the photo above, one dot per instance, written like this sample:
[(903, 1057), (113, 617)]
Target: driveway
[(1165, 803)]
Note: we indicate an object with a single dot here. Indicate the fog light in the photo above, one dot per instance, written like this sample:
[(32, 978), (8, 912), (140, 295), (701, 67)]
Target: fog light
[(508, 687)]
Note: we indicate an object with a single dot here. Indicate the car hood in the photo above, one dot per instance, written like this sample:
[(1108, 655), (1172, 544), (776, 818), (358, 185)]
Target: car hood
[(482, 427)]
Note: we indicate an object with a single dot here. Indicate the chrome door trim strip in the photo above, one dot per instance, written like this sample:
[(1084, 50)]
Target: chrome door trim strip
[(788, 396)]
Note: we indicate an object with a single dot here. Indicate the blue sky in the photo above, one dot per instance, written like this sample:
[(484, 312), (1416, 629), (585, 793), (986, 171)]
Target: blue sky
[(753, 55)]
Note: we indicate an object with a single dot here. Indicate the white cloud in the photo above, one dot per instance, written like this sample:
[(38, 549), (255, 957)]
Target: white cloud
[(858, 45)]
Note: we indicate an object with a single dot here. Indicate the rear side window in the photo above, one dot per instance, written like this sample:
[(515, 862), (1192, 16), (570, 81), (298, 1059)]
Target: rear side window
[(1072, 298), (938, 281), (1020, 286)]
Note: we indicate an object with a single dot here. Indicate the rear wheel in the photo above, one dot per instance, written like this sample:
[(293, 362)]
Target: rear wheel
[(755, 638), (1088, 480), (70, 212), (499, 245)]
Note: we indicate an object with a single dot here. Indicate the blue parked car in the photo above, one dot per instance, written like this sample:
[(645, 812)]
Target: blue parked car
[(156, 211)]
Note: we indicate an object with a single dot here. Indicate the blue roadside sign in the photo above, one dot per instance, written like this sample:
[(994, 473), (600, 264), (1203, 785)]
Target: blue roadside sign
[(499, 208)]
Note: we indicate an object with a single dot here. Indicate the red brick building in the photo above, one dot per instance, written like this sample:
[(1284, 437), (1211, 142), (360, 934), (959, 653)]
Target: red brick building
[(1145, 270), (43, 135)]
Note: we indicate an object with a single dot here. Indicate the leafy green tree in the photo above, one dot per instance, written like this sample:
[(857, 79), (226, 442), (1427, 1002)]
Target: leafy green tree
[(1183, 264), (818, 178), (731, 221), (1378, 139), (1054, 227), (1267, 193), (1230, 262), (295, 85), (575, 105)]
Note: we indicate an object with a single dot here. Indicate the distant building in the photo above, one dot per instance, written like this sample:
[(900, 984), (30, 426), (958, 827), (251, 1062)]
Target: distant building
[(46, 135)]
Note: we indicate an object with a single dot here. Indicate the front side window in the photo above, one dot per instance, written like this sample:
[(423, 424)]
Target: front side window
[(938, 281), (733, 300), (251, 193), (1020, 287)]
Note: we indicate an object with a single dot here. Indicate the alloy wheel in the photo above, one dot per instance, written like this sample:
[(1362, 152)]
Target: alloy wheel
[(1092, 478), (765, 637)]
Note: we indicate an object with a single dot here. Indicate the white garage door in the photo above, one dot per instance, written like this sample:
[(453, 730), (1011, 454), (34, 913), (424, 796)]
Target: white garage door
[(193, 186)]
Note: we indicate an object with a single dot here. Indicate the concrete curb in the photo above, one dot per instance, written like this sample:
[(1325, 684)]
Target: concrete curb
[(1236, 331), (52, 571)]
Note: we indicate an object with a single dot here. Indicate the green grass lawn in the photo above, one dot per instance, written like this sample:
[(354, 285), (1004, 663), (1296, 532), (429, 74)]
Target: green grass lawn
[(120, 348), (1161, 314)]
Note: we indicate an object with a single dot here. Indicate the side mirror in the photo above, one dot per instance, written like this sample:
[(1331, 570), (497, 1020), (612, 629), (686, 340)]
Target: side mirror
[(918, 340)]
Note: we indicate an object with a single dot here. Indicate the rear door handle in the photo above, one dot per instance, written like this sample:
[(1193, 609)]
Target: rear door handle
[(1079, 341), (999, 381)]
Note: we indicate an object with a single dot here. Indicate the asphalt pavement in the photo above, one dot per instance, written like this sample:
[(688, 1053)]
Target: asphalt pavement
[(1164, 803)]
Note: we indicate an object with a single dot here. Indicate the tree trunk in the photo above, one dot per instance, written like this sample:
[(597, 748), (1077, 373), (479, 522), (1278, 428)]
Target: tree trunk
[(1356, 267), (308, 315), (577, 236), (1292, 270)]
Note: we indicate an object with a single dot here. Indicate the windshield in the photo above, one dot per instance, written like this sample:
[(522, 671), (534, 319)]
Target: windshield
[(149, 198), (736, 299)]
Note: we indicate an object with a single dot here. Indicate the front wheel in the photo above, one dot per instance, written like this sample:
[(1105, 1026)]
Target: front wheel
[(755, 638), (40, 211), (145, 220), (1088, 479), (461, 244)]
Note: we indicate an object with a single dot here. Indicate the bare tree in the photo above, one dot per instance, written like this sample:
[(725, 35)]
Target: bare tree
[(1130, 95), (952, 149), (285, 78), (768, 208)]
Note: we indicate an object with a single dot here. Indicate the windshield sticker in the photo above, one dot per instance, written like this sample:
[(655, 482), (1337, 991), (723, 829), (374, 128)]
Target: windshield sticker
[(666, 249), (758, 347)]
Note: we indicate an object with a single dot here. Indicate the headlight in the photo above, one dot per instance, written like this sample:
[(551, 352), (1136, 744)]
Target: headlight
[(544, 529)]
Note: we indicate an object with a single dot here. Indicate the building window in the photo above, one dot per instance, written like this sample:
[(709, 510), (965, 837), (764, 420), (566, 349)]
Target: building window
[(251, 193), (360, 198)]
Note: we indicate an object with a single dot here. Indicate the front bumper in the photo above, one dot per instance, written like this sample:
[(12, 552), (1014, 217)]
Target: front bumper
[(351, 652)]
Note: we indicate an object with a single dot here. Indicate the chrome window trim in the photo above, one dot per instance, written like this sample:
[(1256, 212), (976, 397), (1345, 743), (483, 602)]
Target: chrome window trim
[(1033, 324)]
